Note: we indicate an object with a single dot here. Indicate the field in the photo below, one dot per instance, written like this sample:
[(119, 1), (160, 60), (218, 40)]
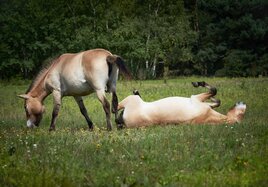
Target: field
[(174, 155)]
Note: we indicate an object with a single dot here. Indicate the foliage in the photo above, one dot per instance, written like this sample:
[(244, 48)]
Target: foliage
[(191, 37), (174, 155), (239, 30)]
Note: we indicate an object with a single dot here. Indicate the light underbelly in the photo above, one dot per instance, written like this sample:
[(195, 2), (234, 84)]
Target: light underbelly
[(76, 88), (169, 115)]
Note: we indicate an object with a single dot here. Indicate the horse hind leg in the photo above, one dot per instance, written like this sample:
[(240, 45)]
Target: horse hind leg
[(215, 102), (120, 121), (114, 109), (212, 90), (209, 95), (106, 107), (83, 110), (136, 92), (114, 103)]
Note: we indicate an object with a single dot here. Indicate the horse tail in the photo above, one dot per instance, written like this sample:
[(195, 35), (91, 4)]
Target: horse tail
[(114, 59)]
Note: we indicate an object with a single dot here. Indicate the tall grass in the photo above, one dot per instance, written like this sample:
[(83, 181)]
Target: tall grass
[(174, 155)]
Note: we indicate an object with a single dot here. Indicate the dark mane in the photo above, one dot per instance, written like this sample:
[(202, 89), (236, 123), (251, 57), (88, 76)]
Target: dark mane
[(42, 73)]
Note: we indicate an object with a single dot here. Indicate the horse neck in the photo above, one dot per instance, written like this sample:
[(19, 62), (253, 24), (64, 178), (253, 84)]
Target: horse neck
[(38, 89), (38, 92)]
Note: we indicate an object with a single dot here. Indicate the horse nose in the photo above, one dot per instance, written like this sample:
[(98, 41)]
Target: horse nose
[(30, 124)]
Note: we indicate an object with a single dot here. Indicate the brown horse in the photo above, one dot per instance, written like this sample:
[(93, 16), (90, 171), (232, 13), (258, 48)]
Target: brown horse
[(177, 110), (75, 75)]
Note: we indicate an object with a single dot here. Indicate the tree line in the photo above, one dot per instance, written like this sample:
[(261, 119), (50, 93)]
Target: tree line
[(180, 37)]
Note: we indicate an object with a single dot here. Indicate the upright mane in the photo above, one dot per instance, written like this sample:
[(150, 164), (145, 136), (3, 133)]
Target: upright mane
[(42, 73)]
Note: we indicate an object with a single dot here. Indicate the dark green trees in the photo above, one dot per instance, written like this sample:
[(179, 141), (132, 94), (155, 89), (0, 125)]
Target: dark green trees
[(222, 37), (233, 37)]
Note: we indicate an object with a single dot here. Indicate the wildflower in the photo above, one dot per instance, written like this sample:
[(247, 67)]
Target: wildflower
[(98, 146), (35, 145)]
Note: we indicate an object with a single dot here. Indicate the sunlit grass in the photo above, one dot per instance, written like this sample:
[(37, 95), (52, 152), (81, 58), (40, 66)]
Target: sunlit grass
[(188, 155)]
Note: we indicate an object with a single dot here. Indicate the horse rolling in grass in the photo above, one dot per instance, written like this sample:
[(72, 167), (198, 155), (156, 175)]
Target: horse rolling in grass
[(75, 75), (177, 110)]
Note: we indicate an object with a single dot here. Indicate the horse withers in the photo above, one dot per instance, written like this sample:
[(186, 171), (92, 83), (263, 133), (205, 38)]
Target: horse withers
[(75, 75), (177, 110)]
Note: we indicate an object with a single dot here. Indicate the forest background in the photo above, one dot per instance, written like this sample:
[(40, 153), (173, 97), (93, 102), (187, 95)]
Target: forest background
[(156, 38)]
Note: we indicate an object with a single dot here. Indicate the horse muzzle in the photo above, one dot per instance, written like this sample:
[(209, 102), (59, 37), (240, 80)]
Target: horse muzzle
[(30, 124)]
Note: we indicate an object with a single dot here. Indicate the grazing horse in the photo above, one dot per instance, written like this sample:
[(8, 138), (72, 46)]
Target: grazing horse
[(75, 75), (177, 110)]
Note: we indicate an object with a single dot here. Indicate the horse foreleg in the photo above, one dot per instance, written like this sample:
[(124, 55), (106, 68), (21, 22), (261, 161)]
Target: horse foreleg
[(214, 118), (83, 110), (56, 109), (106, 107)]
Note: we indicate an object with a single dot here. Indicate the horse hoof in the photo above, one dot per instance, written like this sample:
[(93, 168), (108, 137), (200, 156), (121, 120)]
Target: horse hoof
[(195, 84), (51, 129), (119, 126)]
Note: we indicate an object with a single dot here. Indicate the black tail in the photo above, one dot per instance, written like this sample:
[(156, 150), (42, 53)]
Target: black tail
[(120, 64)]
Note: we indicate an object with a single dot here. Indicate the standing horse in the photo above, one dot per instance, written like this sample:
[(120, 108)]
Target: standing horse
[(75, 75)]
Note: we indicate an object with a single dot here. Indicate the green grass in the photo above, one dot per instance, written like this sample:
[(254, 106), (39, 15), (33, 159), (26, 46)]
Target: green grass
[(174, 155)]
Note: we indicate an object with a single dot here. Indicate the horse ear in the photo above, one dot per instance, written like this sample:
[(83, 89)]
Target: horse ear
[(24, 96)]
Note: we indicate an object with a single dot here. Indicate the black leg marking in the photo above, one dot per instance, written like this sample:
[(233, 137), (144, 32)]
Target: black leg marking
[(54, 117), (114, 103), (106, 107), (212, 90), (120, 121), (136, 92), (216, 102), (83, 110), (197, 84), (57, 103)]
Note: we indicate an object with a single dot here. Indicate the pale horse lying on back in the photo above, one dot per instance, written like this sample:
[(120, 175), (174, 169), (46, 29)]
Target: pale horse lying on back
[(177, 110)]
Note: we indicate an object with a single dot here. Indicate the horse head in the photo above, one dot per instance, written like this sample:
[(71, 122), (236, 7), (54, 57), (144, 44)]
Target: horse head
[(237, 112), (34, 110)]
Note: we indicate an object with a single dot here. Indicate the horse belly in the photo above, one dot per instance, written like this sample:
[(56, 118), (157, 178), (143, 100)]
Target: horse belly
[(176, 112), (77, 88), (76, 84)]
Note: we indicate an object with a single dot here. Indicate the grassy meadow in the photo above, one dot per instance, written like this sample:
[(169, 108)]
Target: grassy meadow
[(174, 155)]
